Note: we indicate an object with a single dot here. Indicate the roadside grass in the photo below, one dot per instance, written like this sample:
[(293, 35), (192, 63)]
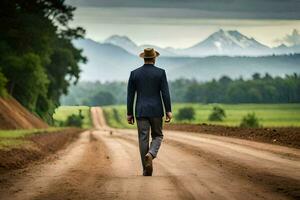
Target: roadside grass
[(116, 116), (62, 113), (269, 115), (16, 138)]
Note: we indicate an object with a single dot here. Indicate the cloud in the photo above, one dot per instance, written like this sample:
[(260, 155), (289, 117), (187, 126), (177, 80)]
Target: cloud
[(215, 9)]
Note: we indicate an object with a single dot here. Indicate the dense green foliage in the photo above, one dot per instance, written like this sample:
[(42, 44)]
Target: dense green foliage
[(186, 113), (217, 114), (38, 59), (259, 89), (74, 120), (2, 85), (270, 115), (83, 92), (250, 121)]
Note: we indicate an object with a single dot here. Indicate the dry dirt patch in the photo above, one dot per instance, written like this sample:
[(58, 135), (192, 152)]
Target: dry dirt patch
[(14, 116), (38, 146), (288, 136)]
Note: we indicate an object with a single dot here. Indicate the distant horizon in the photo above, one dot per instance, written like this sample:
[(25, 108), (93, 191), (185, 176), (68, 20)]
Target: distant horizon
[(200, 40)]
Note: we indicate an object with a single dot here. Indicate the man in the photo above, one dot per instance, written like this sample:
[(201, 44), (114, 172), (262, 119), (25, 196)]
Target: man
[(150, 84)]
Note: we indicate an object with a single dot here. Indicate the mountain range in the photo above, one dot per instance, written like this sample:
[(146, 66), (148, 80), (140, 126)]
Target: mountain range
[(108, 62), (229, 43), (127, 44)]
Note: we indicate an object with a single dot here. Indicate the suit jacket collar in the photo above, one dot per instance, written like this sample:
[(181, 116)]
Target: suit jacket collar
[(148, 65)]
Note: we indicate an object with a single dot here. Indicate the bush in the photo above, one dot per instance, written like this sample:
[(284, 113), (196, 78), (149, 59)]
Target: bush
[(187, 113), (217, 114), (75, 120), (250, 120)]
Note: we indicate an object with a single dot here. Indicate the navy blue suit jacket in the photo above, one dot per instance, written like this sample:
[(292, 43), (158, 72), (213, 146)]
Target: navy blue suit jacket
[(150, 84)]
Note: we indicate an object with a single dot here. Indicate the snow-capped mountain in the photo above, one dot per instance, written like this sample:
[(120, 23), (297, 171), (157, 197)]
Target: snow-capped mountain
[(227, 43)]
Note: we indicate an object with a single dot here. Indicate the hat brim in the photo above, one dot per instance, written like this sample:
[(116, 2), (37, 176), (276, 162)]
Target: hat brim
[(142, 55)]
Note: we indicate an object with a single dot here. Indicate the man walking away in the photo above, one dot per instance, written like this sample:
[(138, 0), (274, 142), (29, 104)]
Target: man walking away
[(150, 84)]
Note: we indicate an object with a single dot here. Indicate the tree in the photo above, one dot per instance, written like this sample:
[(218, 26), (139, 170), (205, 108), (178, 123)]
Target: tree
[(101, 99), (64, 64), (3, 81), (256, 76), (178, 89), (264, 90), (38, 58), (28, 79), (225, 80)]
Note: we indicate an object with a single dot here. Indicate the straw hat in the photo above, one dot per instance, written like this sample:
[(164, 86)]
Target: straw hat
[(149, 53)]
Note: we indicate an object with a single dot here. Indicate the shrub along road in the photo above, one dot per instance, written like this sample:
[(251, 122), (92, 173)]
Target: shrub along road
[(104, 163)]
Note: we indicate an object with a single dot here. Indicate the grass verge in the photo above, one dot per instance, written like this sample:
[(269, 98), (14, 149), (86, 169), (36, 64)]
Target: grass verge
[(269, 115), (62, 113)]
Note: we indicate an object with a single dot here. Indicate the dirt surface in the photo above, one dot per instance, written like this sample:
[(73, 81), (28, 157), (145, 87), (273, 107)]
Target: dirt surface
[(36, 147), (289, 136), (104, 163), (14, 116)]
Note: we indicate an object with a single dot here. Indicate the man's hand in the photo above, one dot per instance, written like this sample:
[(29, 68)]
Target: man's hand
[(169, 116), (130, 119)]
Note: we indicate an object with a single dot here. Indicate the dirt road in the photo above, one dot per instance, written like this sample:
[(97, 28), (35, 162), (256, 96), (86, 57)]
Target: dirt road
[(104, 164)]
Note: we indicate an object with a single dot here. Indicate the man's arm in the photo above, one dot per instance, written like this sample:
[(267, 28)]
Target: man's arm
[(166, 96), (130, 98)]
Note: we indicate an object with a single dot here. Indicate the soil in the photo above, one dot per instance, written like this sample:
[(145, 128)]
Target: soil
[(14, 116), (104, 163), (40, 145), (287, 136)]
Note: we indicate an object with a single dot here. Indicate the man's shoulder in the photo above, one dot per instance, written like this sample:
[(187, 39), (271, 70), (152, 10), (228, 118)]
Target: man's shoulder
[(137, 69), (155, 68), (158, 68)]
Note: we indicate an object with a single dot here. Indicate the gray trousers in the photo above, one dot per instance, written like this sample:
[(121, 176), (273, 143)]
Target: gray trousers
[(144, 124)]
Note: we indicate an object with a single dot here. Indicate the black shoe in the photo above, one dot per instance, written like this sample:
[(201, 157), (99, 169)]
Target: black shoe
[(144, 173), (148, 164)]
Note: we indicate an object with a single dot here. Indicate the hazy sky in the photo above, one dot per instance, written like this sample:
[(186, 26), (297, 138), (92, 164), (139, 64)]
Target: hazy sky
[(183, 23)]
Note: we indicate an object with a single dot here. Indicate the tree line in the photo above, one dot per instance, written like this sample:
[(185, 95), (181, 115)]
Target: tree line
[(38, 61), (258, 89)]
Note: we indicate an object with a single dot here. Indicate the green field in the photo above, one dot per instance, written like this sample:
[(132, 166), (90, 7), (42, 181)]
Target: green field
[(269, 115), (15, 138), (62, 113)]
